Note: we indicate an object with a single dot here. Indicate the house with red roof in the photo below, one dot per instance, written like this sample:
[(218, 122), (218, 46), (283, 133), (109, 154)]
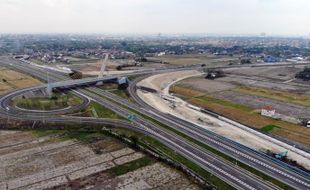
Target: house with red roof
[(268, 111)]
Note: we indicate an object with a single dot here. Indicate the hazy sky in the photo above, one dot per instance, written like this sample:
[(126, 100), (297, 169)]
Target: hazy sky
[(283, 17)]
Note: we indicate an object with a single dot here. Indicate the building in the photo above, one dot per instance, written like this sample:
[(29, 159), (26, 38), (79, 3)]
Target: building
[(270, 59), (268, 111), (161, 54), (306, 123)]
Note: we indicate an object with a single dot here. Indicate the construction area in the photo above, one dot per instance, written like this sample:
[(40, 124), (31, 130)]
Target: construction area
[(241, 97), (183, 93)]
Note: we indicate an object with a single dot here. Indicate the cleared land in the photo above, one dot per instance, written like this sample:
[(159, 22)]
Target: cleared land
[(50, 160), (197, 59), (10, 80), (293, 104), (72, 60), (281, 73), (276, 78), (242, 104), (179, 108), (294, 98), (94, 68)]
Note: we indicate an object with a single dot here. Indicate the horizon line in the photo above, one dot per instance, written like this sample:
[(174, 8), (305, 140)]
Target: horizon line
[(162, 34)]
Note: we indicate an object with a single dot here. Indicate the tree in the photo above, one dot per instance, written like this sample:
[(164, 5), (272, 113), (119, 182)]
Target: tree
[(134, 140)]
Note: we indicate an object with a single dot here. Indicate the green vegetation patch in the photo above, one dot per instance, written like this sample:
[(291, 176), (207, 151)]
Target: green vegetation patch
[(132, 166), (46, 132), (83, 134), (269, 128), (133, 77), (103, 112), (56, 101), (37, 61), (109, 86), (121, 93)]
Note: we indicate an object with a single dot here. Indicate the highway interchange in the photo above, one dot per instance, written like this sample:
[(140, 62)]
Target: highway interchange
[(231, 174)]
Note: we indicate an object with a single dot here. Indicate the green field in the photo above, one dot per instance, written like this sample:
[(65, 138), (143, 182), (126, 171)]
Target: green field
[(269, 128), (56, 101), (99, 111), (132, 166)]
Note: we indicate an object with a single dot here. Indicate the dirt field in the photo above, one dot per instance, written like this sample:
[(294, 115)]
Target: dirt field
[(28, 161), (88, 67), (94, 68), (252, 97), (212, 86), (281, 78), (10, 80), (198, 59), (284, 96), (257, 102), (282, 73), (290, 104)]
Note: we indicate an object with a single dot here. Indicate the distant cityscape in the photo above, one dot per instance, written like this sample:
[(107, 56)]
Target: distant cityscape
[(57, 48)]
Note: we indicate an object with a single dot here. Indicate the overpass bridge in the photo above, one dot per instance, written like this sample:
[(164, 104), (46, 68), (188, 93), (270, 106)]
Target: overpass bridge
[(83, 82)]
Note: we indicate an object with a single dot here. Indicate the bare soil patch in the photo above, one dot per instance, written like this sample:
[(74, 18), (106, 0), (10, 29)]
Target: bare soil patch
[(204, 85), (198, 59), (10, 80), (283, 73)]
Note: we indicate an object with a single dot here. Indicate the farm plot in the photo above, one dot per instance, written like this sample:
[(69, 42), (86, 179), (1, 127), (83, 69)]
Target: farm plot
[(46, 160)]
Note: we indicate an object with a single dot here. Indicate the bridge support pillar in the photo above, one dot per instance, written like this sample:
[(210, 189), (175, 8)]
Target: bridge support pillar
[(49, 91), (99, 83)]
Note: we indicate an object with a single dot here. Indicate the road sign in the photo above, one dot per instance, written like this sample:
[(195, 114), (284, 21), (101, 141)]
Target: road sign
[(282, 154), (131, 117)]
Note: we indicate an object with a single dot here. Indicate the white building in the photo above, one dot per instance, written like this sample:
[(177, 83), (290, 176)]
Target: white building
[(268, 111), (161, 54)]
